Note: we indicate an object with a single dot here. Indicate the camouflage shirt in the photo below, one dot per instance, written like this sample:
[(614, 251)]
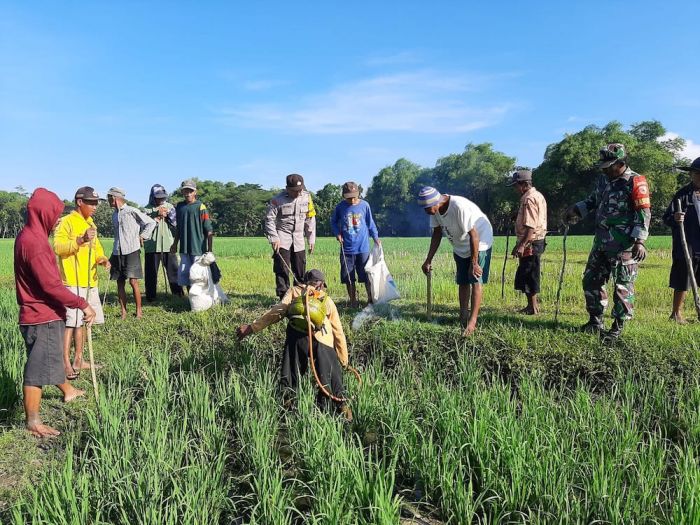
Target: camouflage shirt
[(622, 209)]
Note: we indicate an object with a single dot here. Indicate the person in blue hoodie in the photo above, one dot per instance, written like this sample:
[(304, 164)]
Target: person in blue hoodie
[(353, 225)]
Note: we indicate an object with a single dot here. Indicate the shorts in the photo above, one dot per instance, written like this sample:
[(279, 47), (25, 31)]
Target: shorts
[(464, 268), (678, 280), (351, 264), (74, 316), (126, 266), (44, 343), (183, 269)]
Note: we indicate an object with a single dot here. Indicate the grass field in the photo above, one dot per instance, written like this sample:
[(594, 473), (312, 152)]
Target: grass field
[(526, 422)]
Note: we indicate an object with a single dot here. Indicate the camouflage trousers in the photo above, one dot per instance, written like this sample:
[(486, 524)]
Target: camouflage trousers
[(623, 270)]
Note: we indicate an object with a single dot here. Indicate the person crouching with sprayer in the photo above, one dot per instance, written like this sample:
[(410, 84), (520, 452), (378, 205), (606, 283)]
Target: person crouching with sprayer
[(315, 337)]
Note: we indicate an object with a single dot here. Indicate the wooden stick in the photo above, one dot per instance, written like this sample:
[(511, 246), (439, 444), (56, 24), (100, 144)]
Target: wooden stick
[(92, 363), (505, 260), (688, 261), (429, 298), (561, 274)]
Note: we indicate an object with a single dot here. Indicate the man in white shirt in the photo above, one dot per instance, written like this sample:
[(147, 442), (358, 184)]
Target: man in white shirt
[(471, 235)]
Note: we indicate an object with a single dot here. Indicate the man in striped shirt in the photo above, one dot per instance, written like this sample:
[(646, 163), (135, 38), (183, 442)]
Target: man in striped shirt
[(131, 227)]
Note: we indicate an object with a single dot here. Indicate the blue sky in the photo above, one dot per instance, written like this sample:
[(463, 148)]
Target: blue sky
[(137, 93)]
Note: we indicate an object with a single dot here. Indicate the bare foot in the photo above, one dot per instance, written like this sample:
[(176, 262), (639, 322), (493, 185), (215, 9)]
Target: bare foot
[(73, 395), (139, 314), (463, 318), (37, 429), (123, 314), (529, 311), (85, 365), (469, 330), (678, 318)]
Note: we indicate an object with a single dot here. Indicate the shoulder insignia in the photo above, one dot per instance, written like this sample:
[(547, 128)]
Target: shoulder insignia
[(640, 193)]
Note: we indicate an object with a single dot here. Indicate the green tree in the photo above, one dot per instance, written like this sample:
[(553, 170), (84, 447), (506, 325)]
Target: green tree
[(478, 173), (391, 195), (568, 171), (325, 201)]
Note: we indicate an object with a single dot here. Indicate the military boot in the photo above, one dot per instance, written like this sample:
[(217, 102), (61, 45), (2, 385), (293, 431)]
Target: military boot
[(593, 326), (615, 331)]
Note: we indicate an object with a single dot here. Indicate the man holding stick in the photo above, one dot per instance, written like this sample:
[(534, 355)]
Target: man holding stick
[(79, 252), (290, 217), (530, 230), (687, 218), (471, 235), (622, 206), (42, 300)]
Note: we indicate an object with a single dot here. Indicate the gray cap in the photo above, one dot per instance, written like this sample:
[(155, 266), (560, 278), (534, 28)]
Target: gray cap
[(520, 176), (188, 184), (117, 192)]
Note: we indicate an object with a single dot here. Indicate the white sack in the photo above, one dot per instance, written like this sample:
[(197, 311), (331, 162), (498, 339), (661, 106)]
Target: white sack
[(203, 292), (380, 281)]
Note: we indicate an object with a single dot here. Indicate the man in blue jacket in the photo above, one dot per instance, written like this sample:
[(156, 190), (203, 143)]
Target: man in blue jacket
[(353, 225), (688, 218)]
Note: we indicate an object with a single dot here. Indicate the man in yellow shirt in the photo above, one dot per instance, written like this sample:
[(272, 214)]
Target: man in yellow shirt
[(79, 252)]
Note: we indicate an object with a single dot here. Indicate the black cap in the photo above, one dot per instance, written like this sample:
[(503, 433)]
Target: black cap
[(313, 276), (695, 166), (87, 193), (295, 181), (520, 176)]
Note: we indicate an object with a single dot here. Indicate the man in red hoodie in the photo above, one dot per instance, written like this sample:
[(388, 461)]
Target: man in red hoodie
[(42, 300)]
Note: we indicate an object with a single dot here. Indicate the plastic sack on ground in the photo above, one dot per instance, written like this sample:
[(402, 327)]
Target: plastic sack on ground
[(380, 281), (203, 292)]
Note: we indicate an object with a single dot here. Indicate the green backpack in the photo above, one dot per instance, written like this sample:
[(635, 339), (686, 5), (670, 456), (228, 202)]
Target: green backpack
[(317, 312)]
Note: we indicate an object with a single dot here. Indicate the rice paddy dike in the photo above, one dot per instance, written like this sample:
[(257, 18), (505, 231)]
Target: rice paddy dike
[(526, 422)]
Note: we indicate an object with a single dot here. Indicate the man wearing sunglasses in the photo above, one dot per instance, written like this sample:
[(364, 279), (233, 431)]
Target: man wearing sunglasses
[(622, 208)]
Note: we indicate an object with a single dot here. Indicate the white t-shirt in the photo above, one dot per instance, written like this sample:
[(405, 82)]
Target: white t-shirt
[(461, 216)]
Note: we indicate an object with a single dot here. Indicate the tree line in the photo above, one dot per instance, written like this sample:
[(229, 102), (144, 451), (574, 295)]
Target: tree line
[(566, 175)]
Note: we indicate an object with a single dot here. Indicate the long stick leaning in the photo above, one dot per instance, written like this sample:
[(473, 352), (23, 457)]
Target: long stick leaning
[(688, 261), (89, 329), (561, 274), (505, 260)]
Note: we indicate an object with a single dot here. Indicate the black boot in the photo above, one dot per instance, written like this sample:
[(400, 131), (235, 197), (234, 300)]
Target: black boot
[(615, 330), (593, 326)]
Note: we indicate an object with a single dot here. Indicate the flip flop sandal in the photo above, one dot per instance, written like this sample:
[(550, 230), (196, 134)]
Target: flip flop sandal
[(72, 376)]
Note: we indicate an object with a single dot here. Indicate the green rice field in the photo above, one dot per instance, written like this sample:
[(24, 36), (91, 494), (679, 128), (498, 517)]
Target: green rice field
[(528, 421)]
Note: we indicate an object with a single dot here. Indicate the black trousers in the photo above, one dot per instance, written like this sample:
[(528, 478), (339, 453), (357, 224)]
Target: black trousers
[(294, 260), (152, 263), (295, 363), (527, 276)]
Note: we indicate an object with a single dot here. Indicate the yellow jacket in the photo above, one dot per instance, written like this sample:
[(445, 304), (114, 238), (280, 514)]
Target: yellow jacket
[(73, 258), (331, 335)]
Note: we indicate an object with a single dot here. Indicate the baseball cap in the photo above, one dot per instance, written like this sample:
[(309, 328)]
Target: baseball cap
[(87, 193), (159, 192), (428, 197), (612, 153), (295, 181), (350, 189), (695, 166), (116, 192), (188, 184), (313, 276), (520, 176)]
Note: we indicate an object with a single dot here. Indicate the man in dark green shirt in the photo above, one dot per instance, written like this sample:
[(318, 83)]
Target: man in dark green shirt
[(195, 234)]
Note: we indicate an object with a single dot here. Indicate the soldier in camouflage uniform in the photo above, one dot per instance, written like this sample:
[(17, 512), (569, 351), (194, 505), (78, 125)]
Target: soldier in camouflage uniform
[(622, 205), (290, 217)]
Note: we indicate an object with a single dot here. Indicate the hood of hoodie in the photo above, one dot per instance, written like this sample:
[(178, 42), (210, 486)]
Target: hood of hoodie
[(43, 210)]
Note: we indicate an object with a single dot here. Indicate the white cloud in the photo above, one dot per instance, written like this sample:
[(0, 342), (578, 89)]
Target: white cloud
[(691, 149), (422, 102)]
